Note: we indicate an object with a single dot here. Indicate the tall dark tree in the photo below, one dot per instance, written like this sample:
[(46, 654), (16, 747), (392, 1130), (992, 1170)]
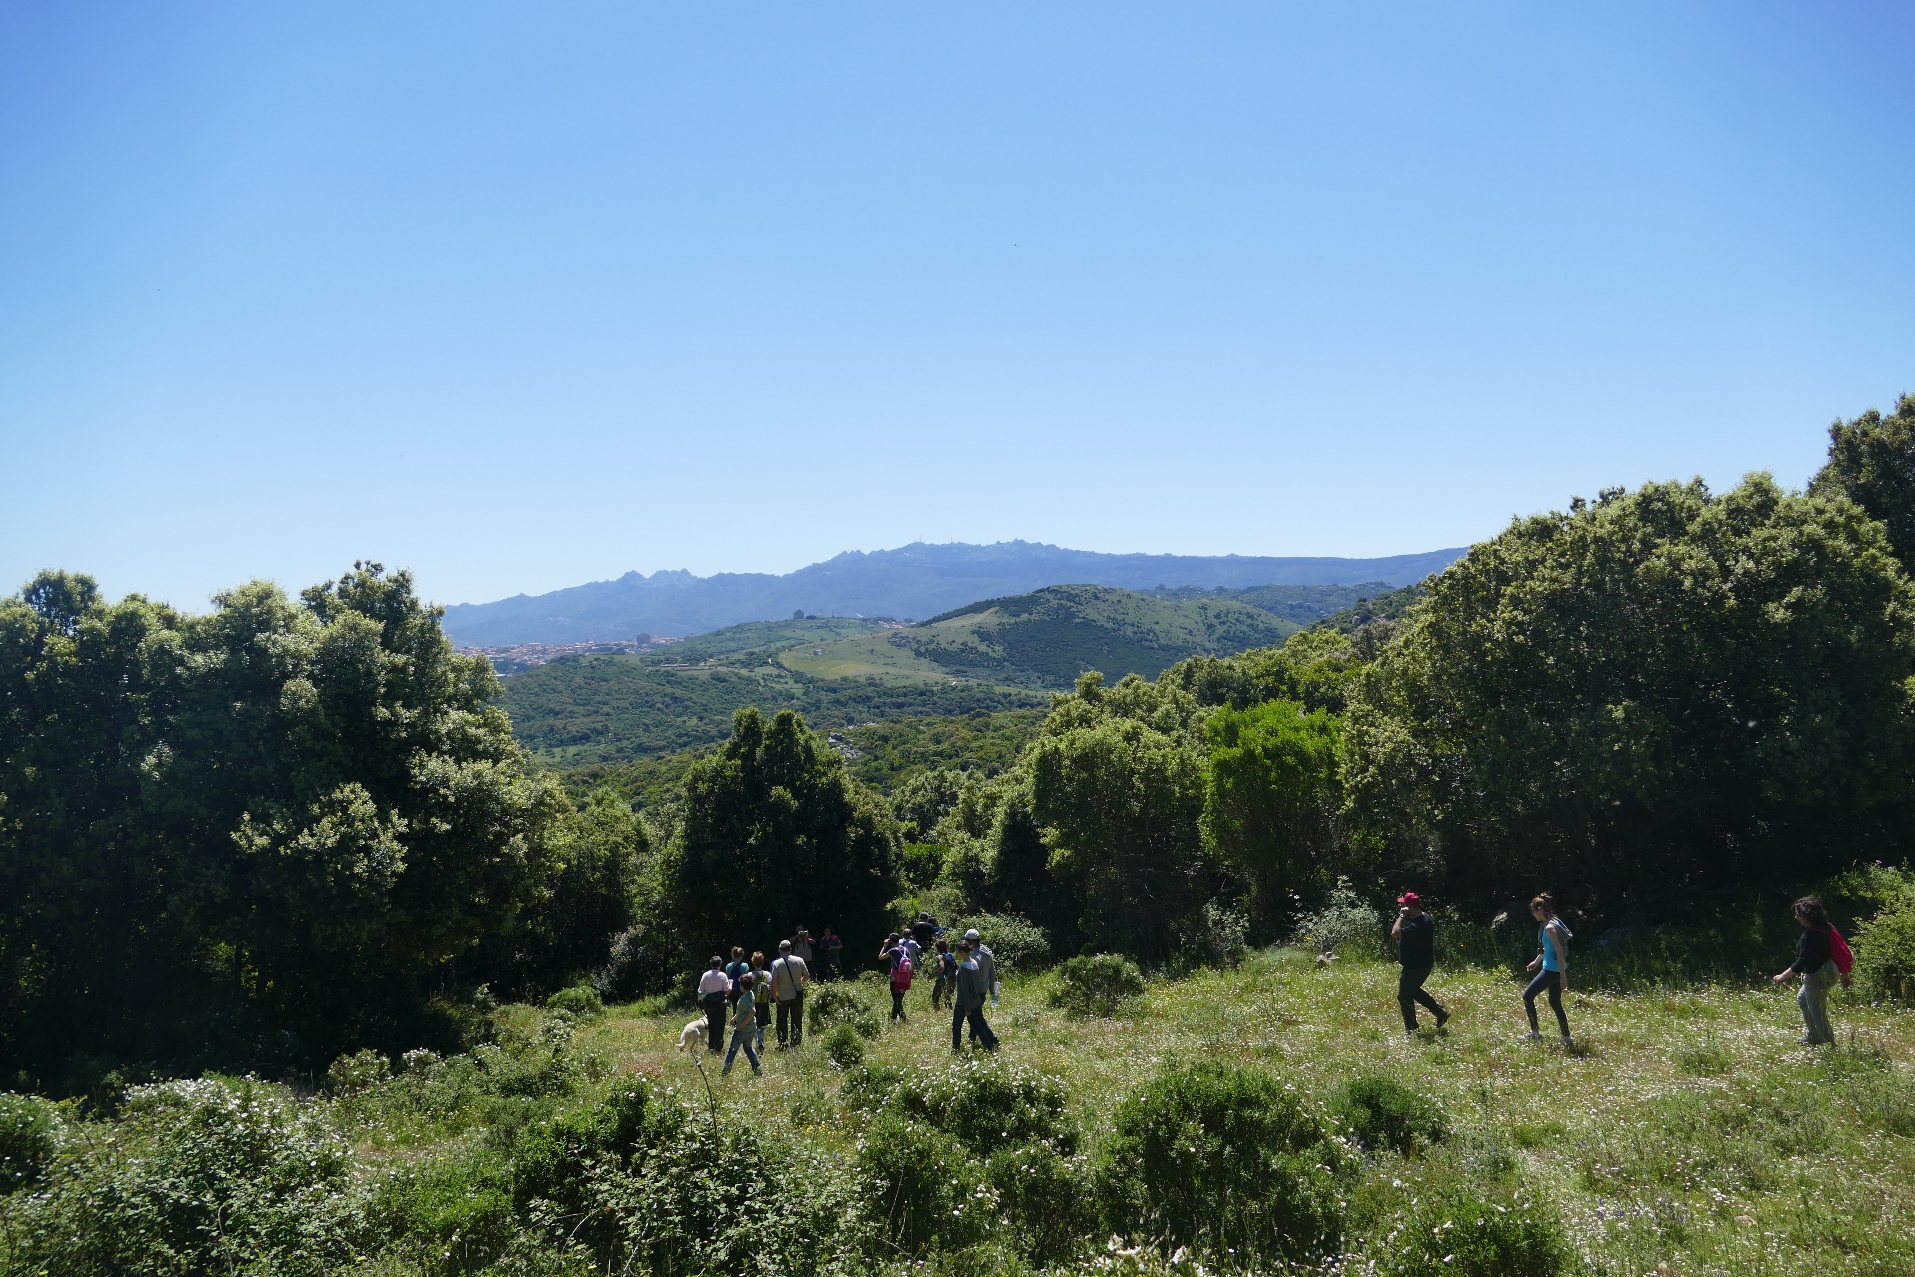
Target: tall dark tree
[(267, 825), (1117, 781), (774, 834), (1649, 703), (1872, 463)]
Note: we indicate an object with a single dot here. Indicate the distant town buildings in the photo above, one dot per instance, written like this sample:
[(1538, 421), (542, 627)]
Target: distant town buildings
[(523, 656)]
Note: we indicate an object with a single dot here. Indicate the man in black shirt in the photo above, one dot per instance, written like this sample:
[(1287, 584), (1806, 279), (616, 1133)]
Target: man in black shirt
[(1415, 934)]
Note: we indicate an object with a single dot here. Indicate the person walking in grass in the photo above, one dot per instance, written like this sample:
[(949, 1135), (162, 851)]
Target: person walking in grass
[(713, 990), (1815, 962), (945, 985), (736, 970), (892, 956), (902, 971), (986, 962), (789, 976), (761, 990), (1415, 934), (1554, 937), (968, 1005), (744, 1024), (833, 946)]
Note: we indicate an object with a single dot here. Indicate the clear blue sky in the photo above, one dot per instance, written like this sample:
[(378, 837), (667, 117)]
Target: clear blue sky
[(525, 295)]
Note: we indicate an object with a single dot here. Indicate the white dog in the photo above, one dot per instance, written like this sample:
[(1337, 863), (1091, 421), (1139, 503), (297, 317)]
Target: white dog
[(690, 1036)]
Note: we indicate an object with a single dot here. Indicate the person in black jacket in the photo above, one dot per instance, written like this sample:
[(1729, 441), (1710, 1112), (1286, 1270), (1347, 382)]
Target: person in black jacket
[(1815, 963), (1415, 934)]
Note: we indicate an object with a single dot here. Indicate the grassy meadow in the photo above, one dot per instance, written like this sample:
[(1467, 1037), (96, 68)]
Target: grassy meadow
[(1686, 1132)]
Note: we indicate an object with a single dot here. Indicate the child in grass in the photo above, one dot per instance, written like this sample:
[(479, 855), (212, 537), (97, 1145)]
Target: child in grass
[(744, 1025), (1815, 963), (946, 984), (1554, 938)]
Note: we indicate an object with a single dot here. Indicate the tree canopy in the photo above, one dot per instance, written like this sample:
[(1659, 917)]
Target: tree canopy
[(271, 822)]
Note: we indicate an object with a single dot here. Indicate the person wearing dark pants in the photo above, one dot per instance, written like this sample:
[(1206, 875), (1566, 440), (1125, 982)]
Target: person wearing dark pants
[(789, 976), (1553, 937), (714, 992), (1415, 934), (968, 1005)]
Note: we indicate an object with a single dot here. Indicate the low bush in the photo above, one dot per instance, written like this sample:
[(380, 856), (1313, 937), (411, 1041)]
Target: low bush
[(580, 1000), (1046, 1198), (923, 1189), (1885, 950), (361, 1071), (867, 1087), (844, 1047), (1097, 986), (1227, 1160), (1451, 1226), (1018, 944), (1345, 926), (1381, 1113), (987, 1105), (842, 1002), (549, 1159), (198, 1176), (29, 1138), (448, 1214)]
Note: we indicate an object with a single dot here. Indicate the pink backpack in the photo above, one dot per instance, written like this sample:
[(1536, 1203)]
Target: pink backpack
[(1839, 950), (901, 973)]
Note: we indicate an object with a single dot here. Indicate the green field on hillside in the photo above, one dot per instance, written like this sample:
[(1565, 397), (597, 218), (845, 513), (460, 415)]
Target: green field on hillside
[(1047, 638)]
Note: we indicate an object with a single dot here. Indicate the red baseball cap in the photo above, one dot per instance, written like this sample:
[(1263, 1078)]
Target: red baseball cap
[(1409, 898)]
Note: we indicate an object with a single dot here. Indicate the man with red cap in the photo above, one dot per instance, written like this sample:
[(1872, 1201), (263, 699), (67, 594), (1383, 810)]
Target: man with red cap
[(1415, 934)]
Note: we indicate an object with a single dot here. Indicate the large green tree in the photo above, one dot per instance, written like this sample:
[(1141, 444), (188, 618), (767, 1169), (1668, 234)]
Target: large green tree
[(1648, 703), (1271, 811), (1117, 783), (774, 834), (1872, 462), (261, 830)]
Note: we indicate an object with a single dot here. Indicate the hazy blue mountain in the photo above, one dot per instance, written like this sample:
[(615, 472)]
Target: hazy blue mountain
[(915, 581)]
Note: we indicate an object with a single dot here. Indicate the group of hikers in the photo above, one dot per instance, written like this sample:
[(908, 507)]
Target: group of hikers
[(750, 995), (1821, 958)]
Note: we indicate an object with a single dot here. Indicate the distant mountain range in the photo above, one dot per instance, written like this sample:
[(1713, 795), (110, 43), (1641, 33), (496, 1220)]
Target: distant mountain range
[(912, 582)]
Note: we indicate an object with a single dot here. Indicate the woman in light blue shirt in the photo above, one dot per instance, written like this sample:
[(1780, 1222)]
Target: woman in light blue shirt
[(1554, 939)]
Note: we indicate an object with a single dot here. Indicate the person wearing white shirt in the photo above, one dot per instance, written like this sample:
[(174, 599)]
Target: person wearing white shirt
[(789, 976), (714, 989)]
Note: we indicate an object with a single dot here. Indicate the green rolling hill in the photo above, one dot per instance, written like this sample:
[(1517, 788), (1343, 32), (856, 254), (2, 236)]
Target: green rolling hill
[(1045, 639), (991, 657)]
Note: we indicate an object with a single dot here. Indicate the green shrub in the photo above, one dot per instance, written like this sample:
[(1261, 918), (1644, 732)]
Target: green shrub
[(987, 1104), (1382, 1113), (550, 1159), (867, 1087), (1345, 926), (1099, 985), (1046, 1199), (198, 1176), (29, 1138), (1018, 944), (580, 1000), (922, 1186), (450, 1214), (843, 1047), (1454, 1227), (841, 1002), (361, 1071), (1224, 1159), (1885, 950)]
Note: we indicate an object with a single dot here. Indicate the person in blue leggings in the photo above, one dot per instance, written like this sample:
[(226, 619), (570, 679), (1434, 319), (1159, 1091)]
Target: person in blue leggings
[(1554, 937)]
